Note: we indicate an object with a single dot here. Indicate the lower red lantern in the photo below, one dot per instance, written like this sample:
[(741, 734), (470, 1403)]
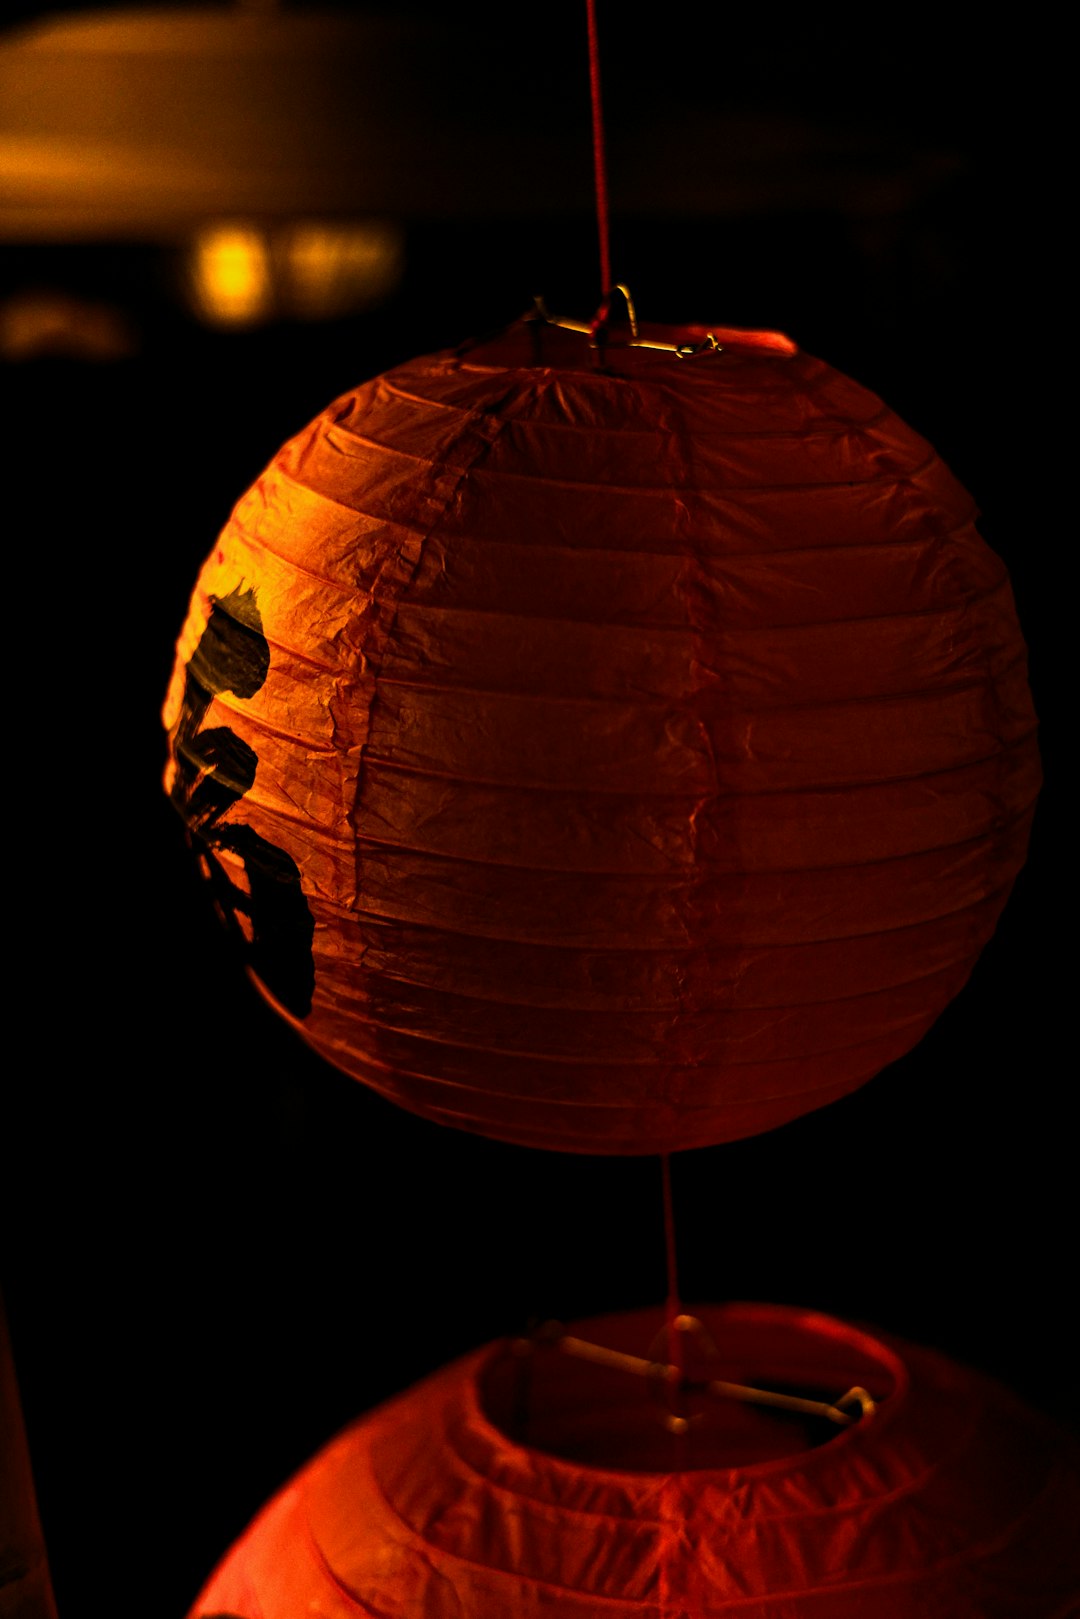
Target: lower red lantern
[(515, 1487)]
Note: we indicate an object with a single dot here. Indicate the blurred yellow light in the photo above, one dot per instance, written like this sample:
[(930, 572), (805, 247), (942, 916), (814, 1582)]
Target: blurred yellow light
[(243, 274), (230, 277), (334, 269)]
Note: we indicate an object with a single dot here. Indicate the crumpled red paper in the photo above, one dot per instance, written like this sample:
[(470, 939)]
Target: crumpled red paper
[(951, 1501)]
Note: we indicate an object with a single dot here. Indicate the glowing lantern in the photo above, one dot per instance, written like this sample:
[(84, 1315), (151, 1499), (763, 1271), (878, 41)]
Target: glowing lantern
[(951, 1499), (612, 759)]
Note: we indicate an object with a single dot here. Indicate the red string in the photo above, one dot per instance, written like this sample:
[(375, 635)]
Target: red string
[(599, 158), (674, 1307)]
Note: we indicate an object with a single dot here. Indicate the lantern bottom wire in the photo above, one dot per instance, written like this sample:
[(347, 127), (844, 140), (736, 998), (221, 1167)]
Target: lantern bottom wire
[(666, 1378)]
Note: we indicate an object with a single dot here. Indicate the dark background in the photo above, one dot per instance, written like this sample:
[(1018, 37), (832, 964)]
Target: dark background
[(217, 1250)]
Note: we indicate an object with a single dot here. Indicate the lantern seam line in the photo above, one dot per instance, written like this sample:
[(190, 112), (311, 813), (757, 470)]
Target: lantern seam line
[(671, 1064), (962, 606), (403, 383), (763, 1014), (722, 492), (681, 1111), (678, 796), (646, 1011), (671, 1133), (871, 547), (669, 949), (726, 796), (685, 796), (896, 478), (891, 445), (827, 430), (991, 677), (393, 924), (652, 626), (650, 1011), (726, 490), (638, 622), (617, 553), (884, 699), (707, 870), (827, 427)]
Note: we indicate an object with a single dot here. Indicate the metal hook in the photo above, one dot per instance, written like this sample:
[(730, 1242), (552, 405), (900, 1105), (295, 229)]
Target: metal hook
[(631, 312)]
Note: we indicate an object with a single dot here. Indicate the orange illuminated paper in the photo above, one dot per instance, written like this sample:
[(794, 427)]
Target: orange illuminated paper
[(613, 759)]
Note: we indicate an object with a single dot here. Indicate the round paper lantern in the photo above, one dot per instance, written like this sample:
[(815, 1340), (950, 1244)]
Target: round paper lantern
[(608, 758), (951, 1501)]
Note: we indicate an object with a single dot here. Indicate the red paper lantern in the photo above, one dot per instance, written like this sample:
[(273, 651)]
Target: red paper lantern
[(952, 1501), (609, 759)]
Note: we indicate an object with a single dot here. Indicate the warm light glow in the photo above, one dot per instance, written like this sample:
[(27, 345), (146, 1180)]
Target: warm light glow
[(43, 320), (245, 274), (334, 269), (230, 275)]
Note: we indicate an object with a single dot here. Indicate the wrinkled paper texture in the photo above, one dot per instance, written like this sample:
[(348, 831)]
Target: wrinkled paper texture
[(953, 1501), (638, 758)]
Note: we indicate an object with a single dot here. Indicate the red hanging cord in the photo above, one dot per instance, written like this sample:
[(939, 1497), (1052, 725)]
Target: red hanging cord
[(673, 1308), (599, 157)]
